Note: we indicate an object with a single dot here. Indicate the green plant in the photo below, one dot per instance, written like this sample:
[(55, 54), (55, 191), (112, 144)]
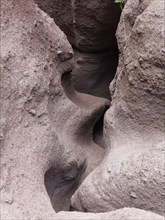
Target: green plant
[(120, 1)]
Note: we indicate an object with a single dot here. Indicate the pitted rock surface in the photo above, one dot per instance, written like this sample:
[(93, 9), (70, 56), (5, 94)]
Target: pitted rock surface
[(58, 150), (134, 124)]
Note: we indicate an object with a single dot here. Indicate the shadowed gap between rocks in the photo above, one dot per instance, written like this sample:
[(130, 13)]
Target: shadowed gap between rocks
[(95, 63), (61, 183), (94, 71), (64, 181), (98, 131), (86, 85)]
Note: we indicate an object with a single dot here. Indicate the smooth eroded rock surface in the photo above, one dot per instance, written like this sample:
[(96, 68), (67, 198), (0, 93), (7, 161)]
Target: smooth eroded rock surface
[(90, 28), (58, 151), (132, 172), (120, 214), (46, 139)]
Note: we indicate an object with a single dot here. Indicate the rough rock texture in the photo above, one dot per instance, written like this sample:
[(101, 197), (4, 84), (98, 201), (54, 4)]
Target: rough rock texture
[(43, 133), (50, 133), (89, 25), (29, 145), (90, 28), (132, 172)]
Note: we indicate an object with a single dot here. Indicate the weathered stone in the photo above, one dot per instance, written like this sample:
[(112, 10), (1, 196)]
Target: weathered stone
[(120, 214), (134, 124), (49, 131), (56, 147), (89, 26), (93, 72)]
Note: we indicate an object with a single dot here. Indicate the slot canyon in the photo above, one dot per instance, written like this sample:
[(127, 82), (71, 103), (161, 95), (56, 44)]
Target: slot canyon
[(82, 110)]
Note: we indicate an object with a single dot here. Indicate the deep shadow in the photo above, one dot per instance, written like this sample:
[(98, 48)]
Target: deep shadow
[(61, 181), (98, 131)]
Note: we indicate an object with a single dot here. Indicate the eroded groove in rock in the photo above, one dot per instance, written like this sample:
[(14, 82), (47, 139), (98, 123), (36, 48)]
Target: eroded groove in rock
[(90, 28), (77, 138), (132, 173), (76, 133), (50, 133), (84, 101), (98, 131), (93, 72), (62, 182)]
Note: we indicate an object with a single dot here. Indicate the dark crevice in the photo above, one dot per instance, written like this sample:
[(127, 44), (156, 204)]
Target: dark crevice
[(98, 131), (94, 72), (82, 100), (87, 86), (62, 181), (95, 51)]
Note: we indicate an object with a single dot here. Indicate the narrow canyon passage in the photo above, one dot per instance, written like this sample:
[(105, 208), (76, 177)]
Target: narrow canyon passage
[(93, 72), (87, 87), (90, 28), (82, 129), (61, 183)]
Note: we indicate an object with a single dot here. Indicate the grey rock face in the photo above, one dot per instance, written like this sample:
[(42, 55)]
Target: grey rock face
[(133, 169), (90, 28), (120, 214), (46, 138), (50, 133), (29, 147), (89, 25), (93, 72)]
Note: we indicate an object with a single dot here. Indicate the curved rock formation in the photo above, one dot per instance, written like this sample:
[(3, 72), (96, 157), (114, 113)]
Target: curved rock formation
[(52, 137), (132, 173), (120, 214), (44, 134), (93, 72), (90, 28)]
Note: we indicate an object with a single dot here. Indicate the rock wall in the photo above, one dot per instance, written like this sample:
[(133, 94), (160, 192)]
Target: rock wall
[(132, 172), (52, 138), (90, 28), (46, 139)]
